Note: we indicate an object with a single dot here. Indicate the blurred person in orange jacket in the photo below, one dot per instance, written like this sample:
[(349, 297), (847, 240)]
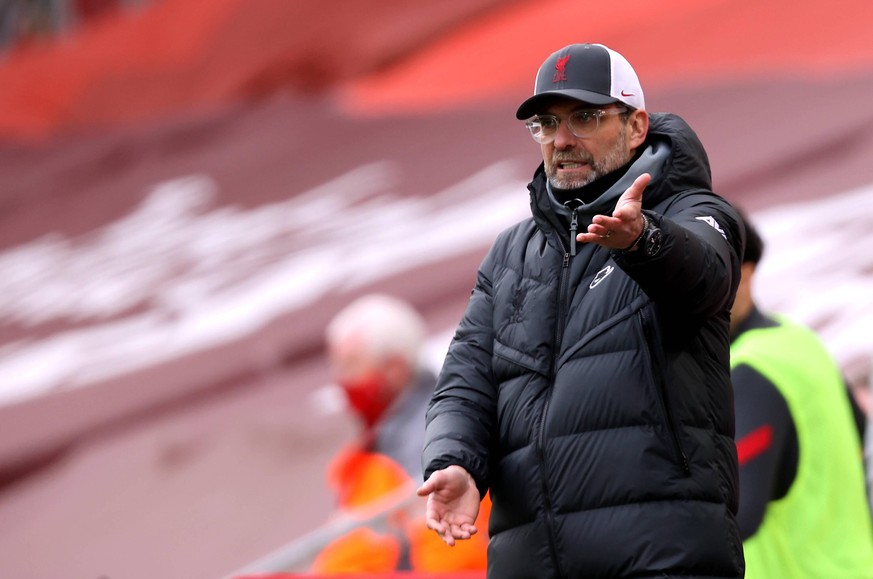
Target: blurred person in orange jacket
[(374, 349)]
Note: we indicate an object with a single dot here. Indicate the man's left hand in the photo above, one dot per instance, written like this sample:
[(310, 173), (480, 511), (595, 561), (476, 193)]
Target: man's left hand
[(620, 230)]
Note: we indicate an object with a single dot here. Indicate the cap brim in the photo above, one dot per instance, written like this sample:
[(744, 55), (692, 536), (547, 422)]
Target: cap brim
[(535, 104)]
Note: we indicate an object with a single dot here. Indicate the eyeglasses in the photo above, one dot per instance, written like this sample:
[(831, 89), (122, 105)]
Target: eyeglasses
[(581, 123)]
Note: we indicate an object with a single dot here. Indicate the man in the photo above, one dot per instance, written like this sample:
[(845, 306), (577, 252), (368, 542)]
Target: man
[(374, 349), (803, 508), (587, 385)]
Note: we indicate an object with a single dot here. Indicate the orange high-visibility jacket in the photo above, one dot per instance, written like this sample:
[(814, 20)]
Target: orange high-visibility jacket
[(403, 542)]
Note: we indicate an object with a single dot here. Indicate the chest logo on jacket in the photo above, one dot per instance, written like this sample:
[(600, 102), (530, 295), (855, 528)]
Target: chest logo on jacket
[(601, 275)]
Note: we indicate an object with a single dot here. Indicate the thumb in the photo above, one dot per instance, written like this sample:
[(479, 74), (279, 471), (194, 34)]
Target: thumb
[(633, 194), (428, 487)]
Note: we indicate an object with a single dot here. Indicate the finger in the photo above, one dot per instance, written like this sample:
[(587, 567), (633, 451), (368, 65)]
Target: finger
[(590, 238), (436, 526), (596, 233), (458, 532), (600, 229), (605, 221)]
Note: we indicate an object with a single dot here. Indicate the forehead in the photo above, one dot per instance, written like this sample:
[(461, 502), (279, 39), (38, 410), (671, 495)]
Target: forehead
[(349, 359)]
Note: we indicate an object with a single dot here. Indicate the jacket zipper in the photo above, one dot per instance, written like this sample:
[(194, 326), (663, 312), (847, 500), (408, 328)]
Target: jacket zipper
[(663, 400), (541, 454), (574, 227)]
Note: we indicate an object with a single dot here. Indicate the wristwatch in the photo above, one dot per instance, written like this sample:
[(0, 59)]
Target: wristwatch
[(650, 240), (653, 239)]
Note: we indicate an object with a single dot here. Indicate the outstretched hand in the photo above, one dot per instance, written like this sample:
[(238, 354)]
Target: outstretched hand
[(452, 503), (625, 225)]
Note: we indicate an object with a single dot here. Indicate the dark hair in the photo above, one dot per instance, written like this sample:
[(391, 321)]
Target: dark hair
[(754, 248)]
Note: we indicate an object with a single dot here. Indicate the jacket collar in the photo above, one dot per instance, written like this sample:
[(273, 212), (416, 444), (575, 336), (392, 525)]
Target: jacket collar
[(544, 204)]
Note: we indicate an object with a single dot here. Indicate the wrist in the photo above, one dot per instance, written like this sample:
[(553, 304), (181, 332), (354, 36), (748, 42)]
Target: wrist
[(636, 242)]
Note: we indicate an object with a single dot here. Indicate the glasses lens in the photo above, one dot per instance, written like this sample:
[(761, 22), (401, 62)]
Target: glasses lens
[(583, 123), (543, 128)]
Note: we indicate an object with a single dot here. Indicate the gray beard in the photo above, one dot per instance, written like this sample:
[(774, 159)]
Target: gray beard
[(617, 157)]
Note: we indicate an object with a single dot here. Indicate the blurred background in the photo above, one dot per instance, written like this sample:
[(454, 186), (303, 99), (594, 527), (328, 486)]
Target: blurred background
[(190, 189)]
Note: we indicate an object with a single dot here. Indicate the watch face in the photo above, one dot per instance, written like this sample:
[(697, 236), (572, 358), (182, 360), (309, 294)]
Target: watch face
[(653, 243)]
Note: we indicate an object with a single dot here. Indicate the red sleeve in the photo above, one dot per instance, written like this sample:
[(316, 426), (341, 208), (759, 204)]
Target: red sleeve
[(766, 446)]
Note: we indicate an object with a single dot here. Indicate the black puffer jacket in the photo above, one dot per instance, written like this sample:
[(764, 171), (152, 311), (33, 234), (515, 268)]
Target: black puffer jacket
[(591, 393)]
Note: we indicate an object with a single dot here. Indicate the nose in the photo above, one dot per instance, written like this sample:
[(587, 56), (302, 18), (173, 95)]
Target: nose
[(564, 138)]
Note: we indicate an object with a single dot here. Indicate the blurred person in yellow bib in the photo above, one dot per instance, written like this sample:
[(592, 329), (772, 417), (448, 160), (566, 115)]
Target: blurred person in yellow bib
[(803, 508)]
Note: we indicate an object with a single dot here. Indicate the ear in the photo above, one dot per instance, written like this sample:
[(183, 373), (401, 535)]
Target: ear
[(638, 128), (747, 272)]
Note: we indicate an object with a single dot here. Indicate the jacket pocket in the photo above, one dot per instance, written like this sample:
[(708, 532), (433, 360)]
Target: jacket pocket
[(509, 361)]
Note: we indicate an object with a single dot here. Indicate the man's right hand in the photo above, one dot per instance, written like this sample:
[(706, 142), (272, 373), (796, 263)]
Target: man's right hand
[(452, 503)]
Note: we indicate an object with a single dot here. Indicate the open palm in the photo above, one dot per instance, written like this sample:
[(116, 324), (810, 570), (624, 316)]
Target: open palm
[(452, 503)]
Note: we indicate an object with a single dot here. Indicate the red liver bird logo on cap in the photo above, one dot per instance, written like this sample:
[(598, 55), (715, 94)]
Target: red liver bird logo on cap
[(561, 69)]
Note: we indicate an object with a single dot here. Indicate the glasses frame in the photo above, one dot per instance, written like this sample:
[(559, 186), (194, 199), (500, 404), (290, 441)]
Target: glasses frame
[(536, 121)]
